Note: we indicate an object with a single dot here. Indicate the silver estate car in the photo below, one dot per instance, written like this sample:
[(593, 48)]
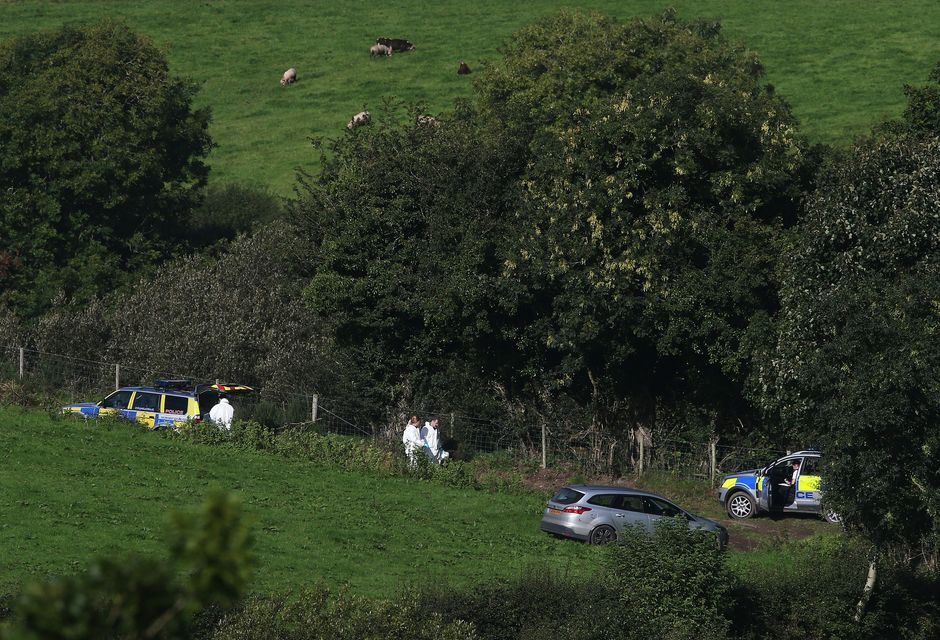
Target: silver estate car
[(597, 514)]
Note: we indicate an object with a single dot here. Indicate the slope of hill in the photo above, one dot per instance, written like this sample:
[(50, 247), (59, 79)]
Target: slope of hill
[(72, 490), (841, 63)]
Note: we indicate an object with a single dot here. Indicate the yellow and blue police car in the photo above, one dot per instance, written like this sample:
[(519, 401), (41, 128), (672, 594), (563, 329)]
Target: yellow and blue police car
[(790, 484), (168, 403)]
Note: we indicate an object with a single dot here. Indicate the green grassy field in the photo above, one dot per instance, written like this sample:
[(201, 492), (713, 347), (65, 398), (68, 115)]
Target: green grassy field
[(841, 63), (71, 491)]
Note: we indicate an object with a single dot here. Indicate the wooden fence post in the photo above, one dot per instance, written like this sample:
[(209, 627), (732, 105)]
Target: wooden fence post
[(117, 377), (22, 362), (544, 456), (642, 453), (314, 406), (713, 459)]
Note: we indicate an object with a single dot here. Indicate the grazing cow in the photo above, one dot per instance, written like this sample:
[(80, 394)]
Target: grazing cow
[(463, 69), (289, 77), (427, 121), (380, 50), (361, 118), (396, 44)]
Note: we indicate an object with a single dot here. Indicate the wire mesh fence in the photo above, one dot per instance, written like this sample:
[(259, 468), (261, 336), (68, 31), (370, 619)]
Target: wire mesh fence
[(587, 449)]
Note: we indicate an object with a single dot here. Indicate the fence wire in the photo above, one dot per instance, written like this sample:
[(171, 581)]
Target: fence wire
[(72, 379)]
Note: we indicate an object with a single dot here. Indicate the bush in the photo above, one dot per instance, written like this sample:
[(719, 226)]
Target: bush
[(315, 614), (565, 608), (814, 595), (236, 316), (672, 584)]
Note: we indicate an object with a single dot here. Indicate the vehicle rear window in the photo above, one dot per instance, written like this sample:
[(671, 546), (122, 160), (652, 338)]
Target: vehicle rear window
[(175, 404), (117, 400), (147, 401), (567, 496)]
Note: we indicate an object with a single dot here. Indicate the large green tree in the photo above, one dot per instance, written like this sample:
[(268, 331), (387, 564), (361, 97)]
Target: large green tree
[(857, 368), (661, 177), (403, 226), (102, 160)]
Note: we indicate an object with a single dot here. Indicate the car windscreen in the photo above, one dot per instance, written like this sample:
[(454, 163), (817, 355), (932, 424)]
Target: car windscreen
[(567, 496)]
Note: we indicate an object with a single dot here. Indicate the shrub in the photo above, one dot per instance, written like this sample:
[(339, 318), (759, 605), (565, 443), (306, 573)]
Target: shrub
[(672, 584), (814, 595), (565, 608), (315, 614)]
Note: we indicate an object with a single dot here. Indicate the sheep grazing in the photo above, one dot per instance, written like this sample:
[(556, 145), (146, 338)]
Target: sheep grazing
[(380, 50), (361, 118), (463, 69), (289, 77), (426, 121)]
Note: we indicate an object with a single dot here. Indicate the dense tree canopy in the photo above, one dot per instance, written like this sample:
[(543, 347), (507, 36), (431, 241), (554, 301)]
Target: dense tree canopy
[(102, 161), (857, 368), (237, 316), (403, 226), (661, 175), (601, 222)]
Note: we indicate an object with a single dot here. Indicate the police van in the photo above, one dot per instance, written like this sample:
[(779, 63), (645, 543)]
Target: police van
[(778, 487), (169, 403)]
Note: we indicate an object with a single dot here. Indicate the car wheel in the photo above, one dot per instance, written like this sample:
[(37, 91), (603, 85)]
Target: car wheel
[(831, 516), (602, 535), (741, 506)]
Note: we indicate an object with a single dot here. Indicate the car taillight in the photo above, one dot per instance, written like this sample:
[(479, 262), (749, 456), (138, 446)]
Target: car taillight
[(577, 510)]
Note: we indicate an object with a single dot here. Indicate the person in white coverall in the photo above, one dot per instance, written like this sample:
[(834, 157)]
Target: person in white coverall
[(432, 444), (412, 440), (222, 413)]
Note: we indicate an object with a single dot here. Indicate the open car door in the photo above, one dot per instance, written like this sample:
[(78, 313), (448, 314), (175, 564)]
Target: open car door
[(209, 394), (230, 389), (765, 490)]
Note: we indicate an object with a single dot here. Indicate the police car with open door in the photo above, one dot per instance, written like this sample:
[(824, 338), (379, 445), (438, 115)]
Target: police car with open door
[(791, 484), (168, 403)]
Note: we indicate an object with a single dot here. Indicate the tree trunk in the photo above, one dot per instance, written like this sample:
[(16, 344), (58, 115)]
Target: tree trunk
[(869, 586), (597, 421)]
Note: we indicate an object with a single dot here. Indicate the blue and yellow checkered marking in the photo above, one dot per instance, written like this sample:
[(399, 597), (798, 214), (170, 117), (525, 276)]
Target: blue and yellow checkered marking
[(748, 481)]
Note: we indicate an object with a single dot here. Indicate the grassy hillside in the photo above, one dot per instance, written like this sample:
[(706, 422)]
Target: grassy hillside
[(71, 490), (841, 63)]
